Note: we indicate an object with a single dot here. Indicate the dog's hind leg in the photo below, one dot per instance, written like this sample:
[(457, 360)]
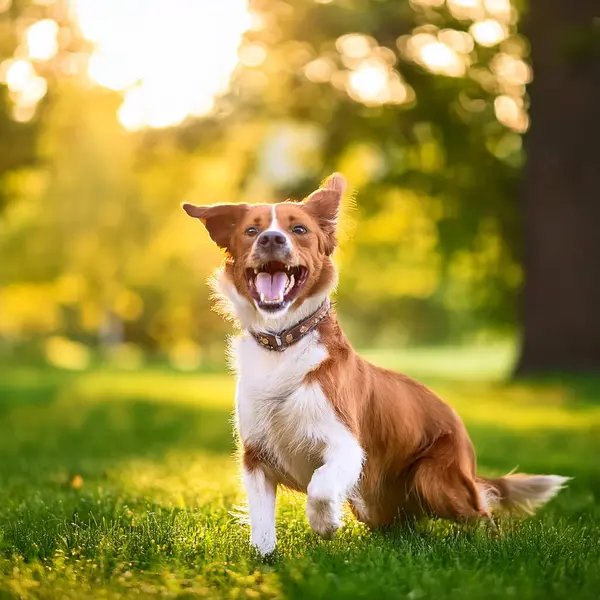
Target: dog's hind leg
[(443, 483)]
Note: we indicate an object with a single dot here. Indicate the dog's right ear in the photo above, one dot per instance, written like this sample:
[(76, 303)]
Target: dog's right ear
[(220, 220), (324, 205)]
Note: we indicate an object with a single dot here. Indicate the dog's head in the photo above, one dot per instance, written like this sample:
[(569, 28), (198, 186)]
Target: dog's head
[(278, 255)]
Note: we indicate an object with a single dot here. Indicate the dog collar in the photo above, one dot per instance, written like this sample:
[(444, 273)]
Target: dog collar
[(278, 342)]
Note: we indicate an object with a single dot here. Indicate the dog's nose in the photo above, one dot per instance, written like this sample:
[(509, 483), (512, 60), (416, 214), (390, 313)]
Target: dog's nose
[(270, 240)]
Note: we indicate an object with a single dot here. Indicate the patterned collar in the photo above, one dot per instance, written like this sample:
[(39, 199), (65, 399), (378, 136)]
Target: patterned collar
[(278, 342)]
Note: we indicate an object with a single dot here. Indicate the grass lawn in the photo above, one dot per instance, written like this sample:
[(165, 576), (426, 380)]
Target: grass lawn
[(118, 485)]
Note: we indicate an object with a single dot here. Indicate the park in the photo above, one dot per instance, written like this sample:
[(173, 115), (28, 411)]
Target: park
[(468, 259)]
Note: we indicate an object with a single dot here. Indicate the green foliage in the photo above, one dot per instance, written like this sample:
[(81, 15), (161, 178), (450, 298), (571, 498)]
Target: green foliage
[(436, 212), (99, 250), (101, 255), (124, 484), (18, 140)]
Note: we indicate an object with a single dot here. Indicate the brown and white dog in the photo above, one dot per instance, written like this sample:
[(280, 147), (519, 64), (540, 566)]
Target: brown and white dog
[(316, 417)]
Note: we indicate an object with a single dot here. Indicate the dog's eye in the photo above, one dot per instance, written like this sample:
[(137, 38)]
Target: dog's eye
[(251, 231), (299, 229)]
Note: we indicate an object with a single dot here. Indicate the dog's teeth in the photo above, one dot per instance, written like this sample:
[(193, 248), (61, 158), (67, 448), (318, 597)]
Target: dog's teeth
[(262, 297), (256, 271), (291, 282)]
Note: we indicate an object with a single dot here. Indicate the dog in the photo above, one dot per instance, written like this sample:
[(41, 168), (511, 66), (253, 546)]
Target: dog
[(314, 416)]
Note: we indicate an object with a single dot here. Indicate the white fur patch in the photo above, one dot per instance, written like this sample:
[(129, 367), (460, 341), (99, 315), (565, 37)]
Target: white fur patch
[(261, 506), (529, 492), (274, 410), (295, 427), (525, 494), (291, 423), (275, 226)]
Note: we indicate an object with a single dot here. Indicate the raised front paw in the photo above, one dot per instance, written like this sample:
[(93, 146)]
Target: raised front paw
[(323, 507), (324, 516)]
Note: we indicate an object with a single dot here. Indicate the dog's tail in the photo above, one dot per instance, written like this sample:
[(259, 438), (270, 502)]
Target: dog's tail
[(518, 493)]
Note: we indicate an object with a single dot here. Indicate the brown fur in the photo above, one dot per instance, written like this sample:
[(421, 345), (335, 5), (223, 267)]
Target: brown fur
[(419, 458), (226, 224)]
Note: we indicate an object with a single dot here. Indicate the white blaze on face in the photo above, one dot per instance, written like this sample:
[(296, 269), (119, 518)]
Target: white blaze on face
[(275, 227), (273, 285)]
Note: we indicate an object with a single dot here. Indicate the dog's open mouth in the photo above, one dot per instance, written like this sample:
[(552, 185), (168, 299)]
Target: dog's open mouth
[(274, 285)]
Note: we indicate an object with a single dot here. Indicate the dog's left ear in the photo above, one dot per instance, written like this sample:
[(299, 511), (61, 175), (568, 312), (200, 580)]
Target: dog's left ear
[(220, 220), (324, 205)]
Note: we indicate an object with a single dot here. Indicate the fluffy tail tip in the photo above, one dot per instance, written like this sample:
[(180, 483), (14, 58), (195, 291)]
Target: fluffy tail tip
[(523, 494)]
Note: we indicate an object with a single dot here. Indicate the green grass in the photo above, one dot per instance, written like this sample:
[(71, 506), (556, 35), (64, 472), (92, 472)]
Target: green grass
[(119, 485)]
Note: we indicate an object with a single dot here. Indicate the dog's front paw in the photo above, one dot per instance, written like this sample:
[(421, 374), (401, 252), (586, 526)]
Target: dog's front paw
[(324, 516), (263, 544), (323, 507)]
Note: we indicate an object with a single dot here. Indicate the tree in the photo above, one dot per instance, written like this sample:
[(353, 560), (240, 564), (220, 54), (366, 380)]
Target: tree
[(18, 146), (561, 301), (436, 164), (25, 78)]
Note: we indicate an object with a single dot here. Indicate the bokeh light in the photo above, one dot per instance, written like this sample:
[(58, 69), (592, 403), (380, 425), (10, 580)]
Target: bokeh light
[(42, 43), (170, 64), (509, 111), (167, 63), (444, 54), (488, 32)]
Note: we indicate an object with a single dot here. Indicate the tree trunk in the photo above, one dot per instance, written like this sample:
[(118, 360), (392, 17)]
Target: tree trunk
[(561, 302)]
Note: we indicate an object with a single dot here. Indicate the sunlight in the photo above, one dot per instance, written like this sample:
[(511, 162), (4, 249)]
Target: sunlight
[(465, 3), (355, 45), (169, 60), (498, 8), (42, 43), (18, 73), (511, 71), (488, 33), (320, 70), (369, 82), (440, 58), (465, 10), (510, 112), (440, 55), (374, 83), (25, 87), (461, 41)]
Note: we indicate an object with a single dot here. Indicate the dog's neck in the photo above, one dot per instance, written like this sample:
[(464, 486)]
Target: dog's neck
[(280, 341), (233, 305)]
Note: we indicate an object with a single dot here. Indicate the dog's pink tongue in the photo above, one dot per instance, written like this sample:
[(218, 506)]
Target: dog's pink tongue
[(271, 287)]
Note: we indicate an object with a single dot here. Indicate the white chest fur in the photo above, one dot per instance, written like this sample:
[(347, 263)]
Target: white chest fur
[(290, 421)]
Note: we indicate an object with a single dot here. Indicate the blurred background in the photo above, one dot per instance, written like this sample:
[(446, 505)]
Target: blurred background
[(469, 131), (113, 112)]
